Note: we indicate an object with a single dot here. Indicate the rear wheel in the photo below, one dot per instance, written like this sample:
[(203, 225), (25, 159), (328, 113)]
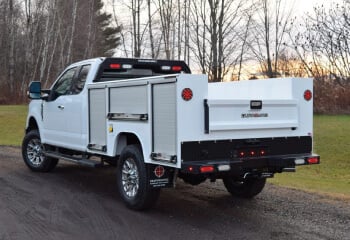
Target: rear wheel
[(245, 189), (133, 180), (33, 153)]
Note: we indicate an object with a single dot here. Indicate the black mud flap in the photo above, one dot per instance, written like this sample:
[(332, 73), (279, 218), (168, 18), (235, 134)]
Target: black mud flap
[(161, 176)]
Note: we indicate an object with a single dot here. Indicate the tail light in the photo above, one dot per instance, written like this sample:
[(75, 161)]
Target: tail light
[(187, 94), (207, 169), (307, 95), (313, 160)]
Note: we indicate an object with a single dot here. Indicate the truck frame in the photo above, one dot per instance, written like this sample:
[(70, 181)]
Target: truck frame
[(157, 122)]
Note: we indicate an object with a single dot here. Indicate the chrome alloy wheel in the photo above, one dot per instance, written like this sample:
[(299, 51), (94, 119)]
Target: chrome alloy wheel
[(35, 152), (130, 177)]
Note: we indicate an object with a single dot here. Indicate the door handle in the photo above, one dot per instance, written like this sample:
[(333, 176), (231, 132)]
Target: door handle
[(61, 107)]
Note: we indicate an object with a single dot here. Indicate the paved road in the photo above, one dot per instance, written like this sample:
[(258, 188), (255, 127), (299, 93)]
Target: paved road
[(75, 202)]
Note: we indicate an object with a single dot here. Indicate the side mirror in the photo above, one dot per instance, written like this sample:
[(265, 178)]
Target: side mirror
[(34, 90)]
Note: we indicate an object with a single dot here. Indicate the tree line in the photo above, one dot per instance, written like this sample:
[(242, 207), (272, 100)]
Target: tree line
[(39, 38), (226, 39)]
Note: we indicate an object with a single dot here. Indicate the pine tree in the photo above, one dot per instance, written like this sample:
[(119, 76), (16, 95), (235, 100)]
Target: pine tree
[(107, 38)]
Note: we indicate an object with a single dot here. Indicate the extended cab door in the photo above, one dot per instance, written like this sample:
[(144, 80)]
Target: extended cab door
[(63, 112)]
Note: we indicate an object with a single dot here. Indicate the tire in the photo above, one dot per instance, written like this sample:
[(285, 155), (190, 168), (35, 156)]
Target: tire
[(32, 153), (248, 188), (133, 180)]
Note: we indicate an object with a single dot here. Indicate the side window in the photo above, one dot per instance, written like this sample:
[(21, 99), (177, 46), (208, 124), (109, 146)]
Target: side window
[(63, 85), (79, 83)]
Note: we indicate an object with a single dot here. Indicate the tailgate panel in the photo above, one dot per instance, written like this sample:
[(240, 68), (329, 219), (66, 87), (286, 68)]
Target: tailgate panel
[(227, 114)]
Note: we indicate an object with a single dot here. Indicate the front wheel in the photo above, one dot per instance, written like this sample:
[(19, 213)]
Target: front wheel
[(33, 153), (133, 180), (247, 188)]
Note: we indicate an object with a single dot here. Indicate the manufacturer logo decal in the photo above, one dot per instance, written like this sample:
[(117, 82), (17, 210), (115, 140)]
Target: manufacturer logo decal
[(159, 171), (254, 115)]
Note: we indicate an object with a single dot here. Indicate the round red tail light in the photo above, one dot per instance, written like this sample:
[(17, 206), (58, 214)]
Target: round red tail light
[(307, 95), (187, 94)]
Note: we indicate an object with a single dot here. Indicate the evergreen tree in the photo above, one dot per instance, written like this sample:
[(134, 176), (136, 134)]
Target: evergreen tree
[(107, 38)]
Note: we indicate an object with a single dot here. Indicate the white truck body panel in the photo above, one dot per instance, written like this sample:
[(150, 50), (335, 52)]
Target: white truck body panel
[(172, 120)]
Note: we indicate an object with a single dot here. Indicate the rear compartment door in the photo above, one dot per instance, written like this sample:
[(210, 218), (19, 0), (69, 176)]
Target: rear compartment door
[(223, 115)]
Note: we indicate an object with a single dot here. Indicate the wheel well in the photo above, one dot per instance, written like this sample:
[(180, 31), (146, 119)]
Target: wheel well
[(32, 125), (124, 139)]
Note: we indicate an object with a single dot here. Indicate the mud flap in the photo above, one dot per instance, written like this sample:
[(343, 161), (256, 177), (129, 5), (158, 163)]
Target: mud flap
[(161, 176)]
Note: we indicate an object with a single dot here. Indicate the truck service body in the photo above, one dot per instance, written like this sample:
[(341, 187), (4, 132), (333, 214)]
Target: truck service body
[(158, 122)]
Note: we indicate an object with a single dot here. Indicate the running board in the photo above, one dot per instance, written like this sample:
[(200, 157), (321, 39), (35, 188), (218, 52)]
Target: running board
[(80, 161)]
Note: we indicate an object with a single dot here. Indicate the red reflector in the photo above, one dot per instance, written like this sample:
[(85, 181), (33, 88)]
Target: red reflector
[(313, 160), (307, 95), (115, 65), (176, 68), (187, 94), (207, 169), (190, 169)]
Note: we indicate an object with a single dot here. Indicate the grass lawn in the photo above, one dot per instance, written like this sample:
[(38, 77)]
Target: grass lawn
[(12, 124), (331, 142)]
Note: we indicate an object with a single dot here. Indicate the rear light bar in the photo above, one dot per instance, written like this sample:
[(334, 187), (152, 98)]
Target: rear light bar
[(120, 66), (252, 153), (176, 68), (172, 68), (115, 65)]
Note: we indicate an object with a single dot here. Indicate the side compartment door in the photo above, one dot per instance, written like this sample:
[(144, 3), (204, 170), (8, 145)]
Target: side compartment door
[(164, 120)]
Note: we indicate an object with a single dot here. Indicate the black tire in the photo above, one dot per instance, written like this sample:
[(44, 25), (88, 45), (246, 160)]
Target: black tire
[(32, 153), (244, 189), (133, 180)]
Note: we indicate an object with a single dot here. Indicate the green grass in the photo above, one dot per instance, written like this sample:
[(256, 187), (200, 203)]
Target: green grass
[(12, 124), (332, 143)]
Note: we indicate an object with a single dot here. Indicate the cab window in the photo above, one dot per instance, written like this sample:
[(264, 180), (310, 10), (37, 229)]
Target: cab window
[(64, 84), (79, 83)]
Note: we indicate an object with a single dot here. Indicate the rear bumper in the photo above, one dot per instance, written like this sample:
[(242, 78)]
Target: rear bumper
[(258, 167)]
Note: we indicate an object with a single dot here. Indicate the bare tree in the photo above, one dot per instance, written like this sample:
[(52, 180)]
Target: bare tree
[(217, 37), (325, 46), (271, 27), (11, 44), (166, 19)]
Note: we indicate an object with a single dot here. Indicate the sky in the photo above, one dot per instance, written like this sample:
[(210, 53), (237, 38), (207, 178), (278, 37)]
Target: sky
[(302, 6)]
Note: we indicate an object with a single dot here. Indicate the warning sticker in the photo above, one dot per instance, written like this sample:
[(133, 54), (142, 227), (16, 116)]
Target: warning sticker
[(160, 176)]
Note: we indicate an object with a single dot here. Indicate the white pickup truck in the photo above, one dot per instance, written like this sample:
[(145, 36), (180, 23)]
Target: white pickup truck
[(157, 122)]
